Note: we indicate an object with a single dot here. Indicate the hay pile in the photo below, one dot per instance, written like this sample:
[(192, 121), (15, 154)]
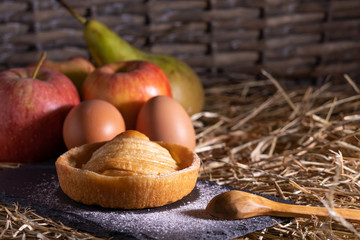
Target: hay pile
[(300, 144)]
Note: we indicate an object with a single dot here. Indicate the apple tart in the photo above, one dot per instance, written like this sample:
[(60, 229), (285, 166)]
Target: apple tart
[(128, 172)]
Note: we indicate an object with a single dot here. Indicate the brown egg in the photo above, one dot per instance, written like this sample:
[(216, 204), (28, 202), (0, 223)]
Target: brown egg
[(163, 119), (92, 121)]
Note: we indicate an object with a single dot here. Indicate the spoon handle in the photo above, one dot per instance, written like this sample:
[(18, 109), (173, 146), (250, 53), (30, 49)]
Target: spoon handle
[(290, 210)]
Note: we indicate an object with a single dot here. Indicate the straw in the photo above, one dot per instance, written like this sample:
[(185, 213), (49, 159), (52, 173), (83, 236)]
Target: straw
[(310, 158)]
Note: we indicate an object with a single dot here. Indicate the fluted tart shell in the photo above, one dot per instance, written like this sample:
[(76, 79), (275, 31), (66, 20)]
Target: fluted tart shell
[(143, 177)]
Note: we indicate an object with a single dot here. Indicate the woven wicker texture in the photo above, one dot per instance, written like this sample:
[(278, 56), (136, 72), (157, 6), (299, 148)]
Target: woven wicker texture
[(289, 38)]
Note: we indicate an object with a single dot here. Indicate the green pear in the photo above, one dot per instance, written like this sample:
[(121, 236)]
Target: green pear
[(106, 46)]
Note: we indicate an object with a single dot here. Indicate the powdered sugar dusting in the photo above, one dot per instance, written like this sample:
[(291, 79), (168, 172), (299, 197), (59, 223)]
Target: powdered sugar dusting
[(184, 219)]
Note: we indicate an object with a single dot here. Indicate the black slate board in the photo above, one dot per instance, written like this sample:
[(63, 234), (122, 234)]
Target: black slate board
[(36, 186)]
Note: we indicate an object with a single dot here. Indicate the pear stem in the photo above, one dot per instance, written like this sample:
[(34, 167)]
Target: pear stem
[(38, 65), (81, 19)]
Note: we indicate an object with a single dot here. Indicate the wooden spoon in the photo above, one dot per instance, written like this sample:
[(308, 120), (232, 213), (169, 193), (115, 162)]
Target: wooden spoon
[(239, 205)]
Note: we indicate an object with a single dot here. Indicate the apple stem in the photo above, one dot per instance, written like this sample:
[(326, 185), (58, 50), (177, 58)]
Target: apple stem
[(73, 12), (38, 65)]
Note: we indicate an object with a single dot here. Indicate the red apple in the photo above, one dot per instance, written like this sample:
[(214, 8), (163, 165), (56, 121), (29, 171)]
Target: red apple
[(76, 68), (127, 85), (32, 113)]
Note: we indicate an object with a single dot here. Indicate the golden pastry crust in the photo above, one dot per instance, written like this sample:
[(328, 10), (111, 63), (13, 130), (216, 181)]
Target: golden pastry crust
[(115, 186)]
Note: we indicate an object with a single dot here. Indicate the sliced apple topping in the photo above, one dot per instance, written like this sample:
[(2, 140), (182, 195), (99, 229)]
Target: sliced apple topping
[(131, 153)]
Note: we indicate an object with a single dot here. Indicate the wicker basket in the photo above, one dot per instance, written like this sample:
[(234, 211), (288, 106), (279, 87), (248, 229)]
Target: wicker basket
[(289, 38)]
